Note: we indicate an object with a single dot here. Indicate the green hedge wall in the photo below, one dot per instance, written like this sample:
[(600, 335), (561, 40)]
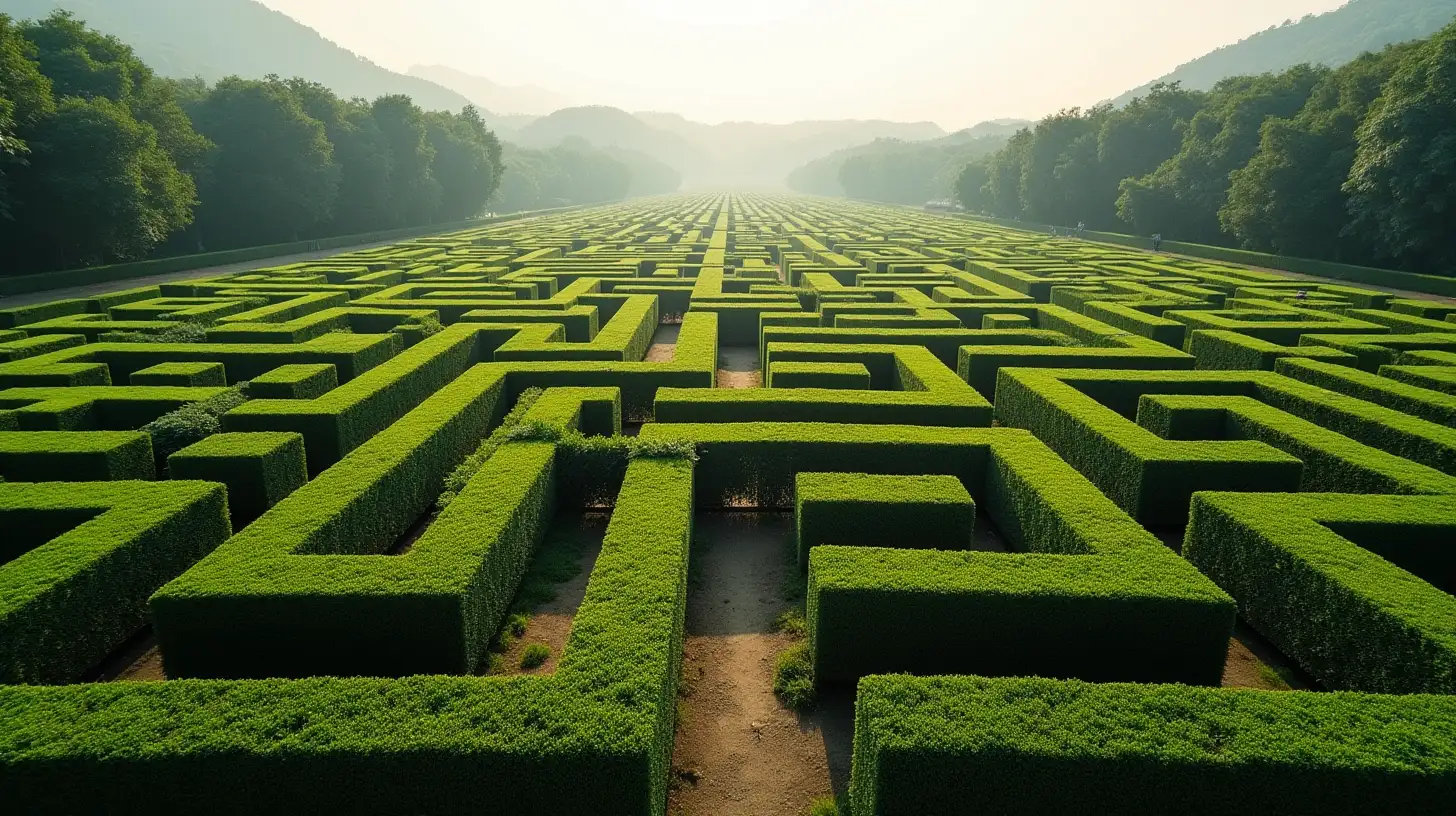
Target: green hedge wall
[(959, 746), (81, 560), (1341, 583)]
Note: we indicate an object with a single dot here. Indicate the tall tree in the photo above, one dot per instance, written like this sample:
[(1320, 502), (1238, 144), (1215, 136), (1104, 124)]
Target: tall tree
[(25, 98), (85, 63), (970, 187), (1183, 196), (362, 153), (1402, 186), (273, 178), (1288, 198), (414, 192), (1004, 186), (467, 162), (99, 188)]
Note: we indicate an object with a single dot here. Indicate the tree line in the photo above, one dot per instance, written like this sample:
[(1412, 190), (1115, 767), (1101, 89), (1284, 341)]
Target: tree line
[(892, 170), (1355, 164), (576, 172), (103, 161)]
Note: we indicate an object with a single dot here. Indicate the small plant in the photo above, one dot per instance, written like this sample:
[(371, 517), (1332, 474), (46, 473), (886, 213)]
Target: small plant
[(824, 806), (791, 623), (182, 332), (535, 431), (534, 655), (793, 679), (516, 625), (662, 449), (462, 474), (429, 325)]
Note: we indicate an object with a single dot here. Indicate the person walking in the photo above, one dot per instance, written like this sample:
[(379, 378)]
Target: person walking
[(1158, 242)]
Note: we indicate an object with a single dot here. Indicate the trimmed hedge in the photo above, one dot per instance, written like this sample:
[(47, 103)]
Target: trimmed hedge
[(80, 560), (974, 745), (1219, 350), (302, 381), (1356, 588), (846, 376), (1087, 417), (1080, 562), (259, 469), (931, 512), (76, 456), (442, 745), (272, 601)]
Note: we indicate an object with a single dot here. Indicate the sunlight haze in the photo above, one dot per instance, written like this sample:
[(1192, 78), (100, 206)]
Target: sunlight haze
[(954, 63)]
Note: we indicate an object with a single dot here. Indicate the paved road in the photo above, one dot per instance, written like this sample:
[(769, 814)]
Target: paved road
[(70, 292)]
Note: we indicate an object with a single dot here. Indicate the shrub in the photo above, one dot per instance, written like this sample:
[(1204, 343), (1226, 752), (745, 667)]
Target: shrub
[(192, 423), (535, 655), (793, 677)]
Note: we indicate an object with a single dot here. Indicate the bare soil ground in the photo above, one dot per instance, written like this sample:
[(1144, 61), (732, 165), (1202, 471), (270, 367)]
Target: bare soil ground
[(1254, 662), (738, 751), (139, 659), (738, 367), (554, 587), (664, 344)]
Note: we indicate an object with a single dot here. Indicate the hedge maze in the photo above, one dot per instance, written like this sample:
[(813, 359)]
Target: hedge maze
[(1036, 485)]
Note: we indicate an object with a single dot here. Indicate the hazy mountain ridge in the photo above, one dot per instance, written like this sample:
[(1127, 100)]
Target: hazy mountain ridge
[(933, 162), (1333, 38), (518, 102)]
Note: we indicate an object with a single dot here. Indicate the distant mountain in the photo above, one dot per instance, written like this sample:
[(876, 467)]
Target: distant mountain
[(515, 100), (1333, 38), (607, 127), (217, 38), (761, 155), (929, 166)]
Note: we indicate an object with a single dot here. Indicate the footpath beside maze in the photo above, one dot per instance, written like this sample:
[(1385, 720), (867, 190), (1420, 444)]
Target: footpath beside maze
[(296, 510)]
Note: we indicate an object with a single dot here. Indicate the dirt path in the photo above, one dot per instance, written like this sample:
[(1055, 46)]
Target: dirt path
[(664, 344), (140, 658), (738, 752), (72, 292), (738, 367)]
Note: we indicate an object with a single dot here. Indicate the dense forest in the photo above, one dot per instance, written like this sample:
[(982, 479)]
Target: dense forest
[(575, 172), (104, 161), (1355, 164), (897, 171)]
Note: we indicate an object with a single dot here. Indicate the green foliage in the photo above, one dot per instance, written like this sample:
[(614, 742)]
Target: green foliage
[(192, 423), (966, 745), (1403, 183), (505, 432), (793, 677), (825, 806), (80, 561), (1378, 566), (534, 655)]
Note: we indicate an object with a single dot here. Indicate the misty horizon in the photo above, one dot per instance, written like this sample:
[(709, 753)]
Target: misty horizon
[(825, 60)]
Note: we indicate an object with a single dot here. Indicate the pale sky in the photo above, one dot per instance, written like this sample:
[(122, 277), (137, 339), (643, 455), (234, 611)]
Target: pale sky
[(955, 62)]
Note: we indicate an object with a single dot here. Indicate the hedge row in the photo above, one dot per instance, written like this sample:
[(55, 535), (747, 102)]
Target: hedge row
[(1079, 563), (595, 737), (76, 456), (1087, 417), (973, 745), (295, 593), (1356, 588), (931, 512), (79, 561)]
